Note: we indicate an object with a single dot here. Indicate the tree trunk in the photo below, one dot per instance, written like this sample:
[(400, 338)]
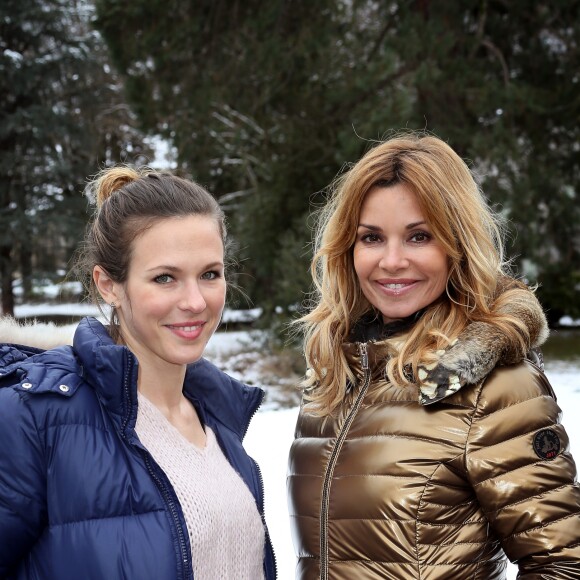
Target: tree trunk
[(25, 255), (6, 272)]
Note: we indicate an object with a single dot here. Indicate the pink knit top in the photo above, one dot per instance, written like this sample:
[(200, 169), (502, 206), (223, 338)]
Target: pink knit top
[(224, 526)]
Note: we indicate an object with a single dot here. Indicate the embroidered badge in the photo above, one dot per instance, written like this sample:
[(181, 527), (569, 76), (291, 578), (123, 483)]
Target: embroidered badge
[(546, 444)]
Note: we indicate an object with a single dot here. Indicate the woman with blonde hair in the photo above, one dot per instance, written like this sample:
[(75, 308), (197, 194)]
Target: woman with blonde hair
[(122, 456), (429, 444)]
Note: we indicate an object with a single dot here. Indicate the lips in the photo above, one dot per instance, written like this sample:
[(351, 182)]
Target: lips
[(395, 287), (187, 330), (186, 327)]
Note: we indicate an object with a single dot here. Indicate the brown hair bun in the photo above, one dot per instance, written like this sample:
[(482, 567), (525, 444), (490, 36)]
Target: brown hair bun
[(109, 180)]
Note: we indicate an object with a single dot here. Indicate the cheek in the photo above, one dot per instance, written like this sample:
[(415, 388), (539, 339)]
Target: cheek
[(441, 271), (360, 263), (217, 296), (221, 298), (148, 301)]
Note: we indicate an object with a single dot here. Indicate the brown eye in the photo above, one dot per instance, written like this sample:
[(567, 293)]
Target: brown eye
[(370, 238), (421, 237)]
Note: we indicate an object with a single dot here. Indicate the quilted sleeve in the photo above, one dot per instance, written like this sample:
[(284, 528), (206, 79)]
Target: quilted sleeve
[(22, 481), (521, 469)]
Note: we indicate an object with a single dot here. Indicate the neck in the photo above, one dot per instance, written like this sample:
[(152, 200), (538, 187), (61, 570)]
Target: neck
[(162, 386)]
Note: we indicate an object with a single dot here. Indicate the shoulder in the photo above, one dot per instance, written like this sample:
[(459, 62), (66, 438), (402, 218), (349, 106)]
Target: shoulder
[(39, 367), (516, 404), (504, 386), (23, 355), (41, 385), (515, 384)]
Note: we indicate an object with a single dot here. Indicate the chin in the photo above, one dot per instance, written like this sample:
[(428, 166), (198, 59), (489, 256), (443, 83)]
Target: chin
[(398, 313), (185, 358)]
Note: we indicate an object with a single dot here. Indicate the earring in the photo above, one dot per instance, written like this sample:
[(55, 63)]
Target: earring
[(113, 305)]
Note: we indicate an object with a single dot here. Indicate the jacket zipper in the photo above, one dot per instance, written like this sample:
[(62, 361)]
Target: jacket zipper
[(185, 563), (127, 390), (173, 510), (362, 347), (268, 539)]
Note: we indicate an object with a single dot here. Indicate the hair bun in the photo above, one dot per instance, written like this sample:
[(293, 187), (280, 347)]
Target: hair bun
[(107, 181)]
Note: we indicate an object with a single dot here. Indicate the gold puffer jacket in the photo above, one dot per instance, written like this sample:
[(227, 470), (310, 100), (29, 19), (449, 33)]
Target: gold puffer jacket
[(394, 489)]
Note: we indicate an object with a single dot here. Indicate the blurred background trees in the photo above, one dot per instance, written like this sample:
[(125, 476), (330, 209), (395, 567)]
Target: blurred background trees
[(265, 102), (62, 114)]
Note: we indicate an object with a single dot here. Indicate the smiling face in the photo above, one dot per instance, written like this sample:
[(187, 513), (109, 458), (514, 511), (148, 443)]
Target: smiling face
[(401, 267), (172, 300)]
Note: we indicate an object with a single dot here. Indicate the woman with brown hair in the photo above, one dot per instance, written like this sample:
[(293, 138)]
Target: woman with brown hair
[(121, 456)]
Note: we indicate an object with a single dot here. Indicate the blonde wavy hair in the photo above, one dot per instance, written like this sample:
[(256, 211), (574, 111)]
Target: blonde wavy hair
[(462, 222)]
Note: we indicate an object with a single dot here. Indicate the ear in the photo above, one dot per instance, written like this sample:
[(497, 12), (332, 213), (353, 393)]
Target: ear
[(108, 289)]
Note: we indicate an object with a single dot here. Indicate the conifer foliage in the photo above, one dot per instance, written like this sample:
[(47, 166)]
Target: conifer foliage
[(265, 101), (62, 114)]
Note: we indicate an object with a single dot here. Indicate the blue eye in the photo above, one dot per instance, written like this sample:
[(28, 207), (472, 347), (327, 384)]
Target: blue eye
[(211, 275), (163, 279)]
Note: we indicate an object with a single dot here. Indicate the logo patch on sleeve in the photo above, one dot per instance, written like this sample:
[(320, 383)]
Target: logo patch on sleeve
[(546, 444)]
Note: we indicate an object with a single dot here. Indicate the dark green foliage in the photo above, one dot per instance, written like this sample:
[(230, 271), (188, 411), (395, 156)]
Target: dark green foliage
[(61, 116), (265, 102)]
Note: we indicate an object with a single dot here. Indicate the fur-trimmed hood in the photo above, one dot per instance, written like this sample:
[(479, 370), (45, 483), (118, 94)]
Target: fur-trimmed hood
[(471, 357), (36, 334)]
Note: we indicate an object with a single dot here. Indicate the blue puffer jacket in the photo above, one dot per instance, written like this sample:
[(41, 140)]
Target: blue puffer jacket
[(80, 497)]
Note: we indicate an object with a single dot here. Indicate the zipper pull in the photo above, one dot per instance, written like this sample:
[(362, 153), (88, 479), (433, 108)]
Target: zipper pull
[(362, 349)]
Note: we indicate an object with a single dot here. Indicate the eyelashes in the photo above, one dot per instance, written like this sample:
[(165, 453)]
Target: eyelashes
[(418, 237), (212, 275), (163, 279)]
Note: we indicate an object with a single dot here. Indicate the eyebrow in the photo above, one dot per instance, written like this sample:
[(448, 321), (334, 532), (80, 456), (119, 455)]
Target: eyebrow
[(168, 268), (378, 229)]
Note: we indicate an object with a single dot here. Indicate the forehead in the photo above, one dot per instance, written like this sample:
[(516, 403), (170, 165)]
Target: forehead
[(390, 203), (184, 238)]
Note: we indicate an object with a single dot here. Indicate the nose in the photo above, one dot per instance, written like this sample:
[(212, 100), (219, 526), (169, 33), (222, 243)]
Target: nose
[(192, 298), (393, 258)]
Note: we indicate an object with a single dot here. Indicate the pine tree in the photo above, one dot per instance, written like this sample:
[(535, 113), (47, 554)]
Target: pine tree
[(266, 102), (61, 115)]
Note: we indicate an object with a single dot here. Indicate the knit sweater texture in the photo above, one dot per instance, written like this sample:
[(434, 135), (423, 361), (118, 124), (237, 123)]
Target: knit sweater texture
[(225, 529)]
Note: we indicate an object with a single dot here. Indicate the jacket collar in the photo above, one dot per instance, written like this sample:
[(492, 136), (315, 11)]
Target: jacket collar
[(112, 371), (220, 398), (370, 328), (109, 368)]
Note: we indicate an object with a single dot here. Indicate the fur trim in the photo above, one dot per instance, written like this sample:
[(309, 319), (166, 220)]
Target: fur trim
[(479, 349), (36, 334)]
